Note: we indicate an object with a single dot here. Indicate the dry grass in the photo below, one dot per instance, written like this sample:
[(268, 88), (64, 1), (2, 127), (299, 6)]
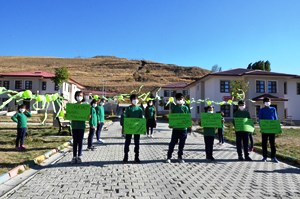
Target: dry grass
[(121, 75)]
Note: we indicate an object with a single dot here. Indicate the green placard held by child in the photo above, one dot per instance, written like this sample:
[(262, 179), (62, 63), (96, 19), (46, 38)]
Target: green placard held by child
[(134, 125), (244, 125), (180, 120), (78, 112), (270, 126), (212, 120)]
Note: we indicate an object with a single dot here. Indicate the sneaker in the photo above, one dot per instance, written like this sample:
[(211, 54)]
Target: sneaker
[(212, 158), (250, 150), (264, 160), (151, 135), (275, 160), (101, 141), (74, 160), (137, 160), (181, 161), (248, 158), (22, 148), (241, 158), (148, 135), (79, 160), (168, 161)]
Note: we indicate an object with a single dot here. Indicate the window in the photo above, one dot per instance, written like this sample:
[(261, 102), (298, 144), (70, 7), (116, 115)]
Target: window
[(224, 86), (166, 93), (44, 86), (56, 87), (272, 87), (298, 88), (185, 92), (28, 84), (173, 93), (18, 84), (285, 88), (260, 86), (226, 110), (6, 84)]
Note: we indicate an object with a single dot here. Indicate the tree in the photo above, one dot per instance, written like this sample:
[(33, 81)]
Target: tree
[(216, 68), (260, 65), (61, 75), (238, 89)]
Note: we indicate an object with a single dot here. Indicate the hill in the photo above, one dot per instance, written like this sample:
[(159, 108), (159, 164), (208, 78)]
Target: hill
[(119, 74)]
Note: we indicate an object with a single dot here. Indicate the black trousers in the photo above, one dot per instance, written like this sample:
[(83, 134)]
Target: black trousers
[(242, 140), (21, 133), (77, 135), (180, 135), (136, 144), (271, 137), (209, 146), (90, 137)]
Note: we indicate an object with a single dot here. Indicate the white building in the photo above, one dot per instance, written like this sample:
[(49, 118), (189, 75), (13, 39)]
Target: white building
[(38, 82), (283, 89)]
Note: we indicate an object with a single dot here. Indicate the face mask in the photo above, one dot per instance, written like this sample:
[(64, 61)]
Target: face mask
[(79, 98), (135, 101), (150, 104), (180, 102), (94, 105), (210, 111), (22, 110), (242, 107), (101, 103), (267, 103)]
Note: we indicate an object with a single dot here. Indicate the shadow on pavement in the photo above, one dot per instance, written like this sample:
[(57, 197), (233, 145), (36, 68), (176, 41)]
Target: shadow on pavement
[(285, 171)]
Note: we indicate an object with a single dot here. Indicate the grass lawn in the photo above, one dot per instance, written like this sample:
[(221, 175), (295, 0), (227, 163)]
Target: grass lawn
[(39, 140), (287, 143)]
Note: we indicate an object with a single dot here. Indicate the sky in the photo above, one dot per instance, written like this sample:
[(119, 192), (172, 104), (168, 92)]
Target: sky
[(203, 33)]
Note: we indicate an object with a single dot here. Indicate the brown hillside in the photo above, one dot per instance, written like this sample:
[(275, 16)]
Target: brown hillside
[(121, 75)]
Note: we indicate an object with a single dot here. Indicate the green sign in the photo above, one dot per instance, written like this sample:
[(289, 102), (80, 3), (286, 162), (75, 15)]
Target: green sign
[(78, 112), (270, 126), (180, 120), (211, 120), (134, 125), (244, 124)]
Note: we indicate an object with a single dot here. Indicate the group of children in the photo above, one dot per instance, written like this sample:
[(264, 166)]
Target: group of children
[(179, 135)]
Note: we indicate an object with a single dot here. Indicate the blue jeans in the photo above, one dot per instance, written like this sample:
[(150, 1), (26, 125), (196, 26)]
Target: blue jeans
[(209, 146), (136, 144), (90, 137), (180, 135), (77, 135), (99, 129), (21, 133)]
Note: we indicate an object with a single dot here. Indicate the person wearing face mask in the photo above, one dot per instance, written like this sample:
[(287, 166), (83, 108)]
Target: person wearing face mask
[(78, 128), (268, 113), (101, 118), (93, 125), (221, 130), (133, 111), (209, 136), (242, 137), (150, 115), (178, 134), (21, 119)]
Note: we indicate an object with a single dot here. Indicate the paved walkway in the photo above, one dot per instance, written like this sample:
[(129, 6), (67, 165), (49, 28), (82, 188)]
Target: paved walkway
[(102, 175)]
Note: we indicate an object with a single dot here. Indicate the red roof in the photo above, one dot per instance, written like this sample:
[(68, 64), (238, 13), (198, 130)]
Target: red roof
[(28, 74)]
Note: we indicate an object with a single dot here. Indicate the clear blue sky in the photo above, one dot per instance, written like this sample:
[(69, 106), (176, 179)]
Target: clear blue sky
[(230, 33)]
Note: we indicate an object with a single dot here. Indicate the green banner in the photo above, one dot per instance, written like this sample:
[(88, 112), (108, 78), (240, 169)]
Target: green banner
[(244, 124), (134, 125), (270, 126), (78, 112), (211, 120), (180, 120)]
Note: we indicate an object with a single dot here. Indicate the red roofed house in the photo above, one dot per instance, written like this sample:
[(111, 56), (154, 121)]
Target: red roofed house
[(38, 82)]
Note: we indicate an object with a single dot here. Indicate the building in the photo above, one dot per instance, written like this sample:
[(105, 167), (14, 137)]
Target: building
[(283, 89), (39, 82)]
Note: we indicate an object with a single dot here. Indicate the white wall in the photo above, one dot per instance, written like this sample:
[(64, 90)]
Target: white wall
[(292, 105)]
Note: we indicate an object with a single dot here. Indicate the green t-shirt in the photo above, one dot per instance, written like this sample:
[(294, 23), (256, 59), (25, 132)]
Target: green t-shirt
[(94, 118), (134, 112), (21, 119), (100, 113), (150, 112)]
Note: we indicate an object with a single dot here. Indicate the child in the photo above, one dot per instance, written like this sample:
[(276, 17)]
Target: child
[(101, 116), (242, 137), (150, 115), (21, 119), (268, 113), (209, 136), (78, 128), (221, 130), (122, 121), (178, 134), (133, 111), (93, 125)]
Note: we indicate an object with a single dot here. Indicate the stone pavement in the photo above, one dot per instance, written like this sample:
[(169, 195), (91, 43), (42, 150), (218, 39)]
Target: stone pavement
[(103, 175)]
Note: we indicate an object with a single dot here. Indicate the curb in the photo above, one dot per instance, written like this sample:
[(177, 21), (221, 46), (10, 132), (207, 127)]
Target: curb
[(12, 173)]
